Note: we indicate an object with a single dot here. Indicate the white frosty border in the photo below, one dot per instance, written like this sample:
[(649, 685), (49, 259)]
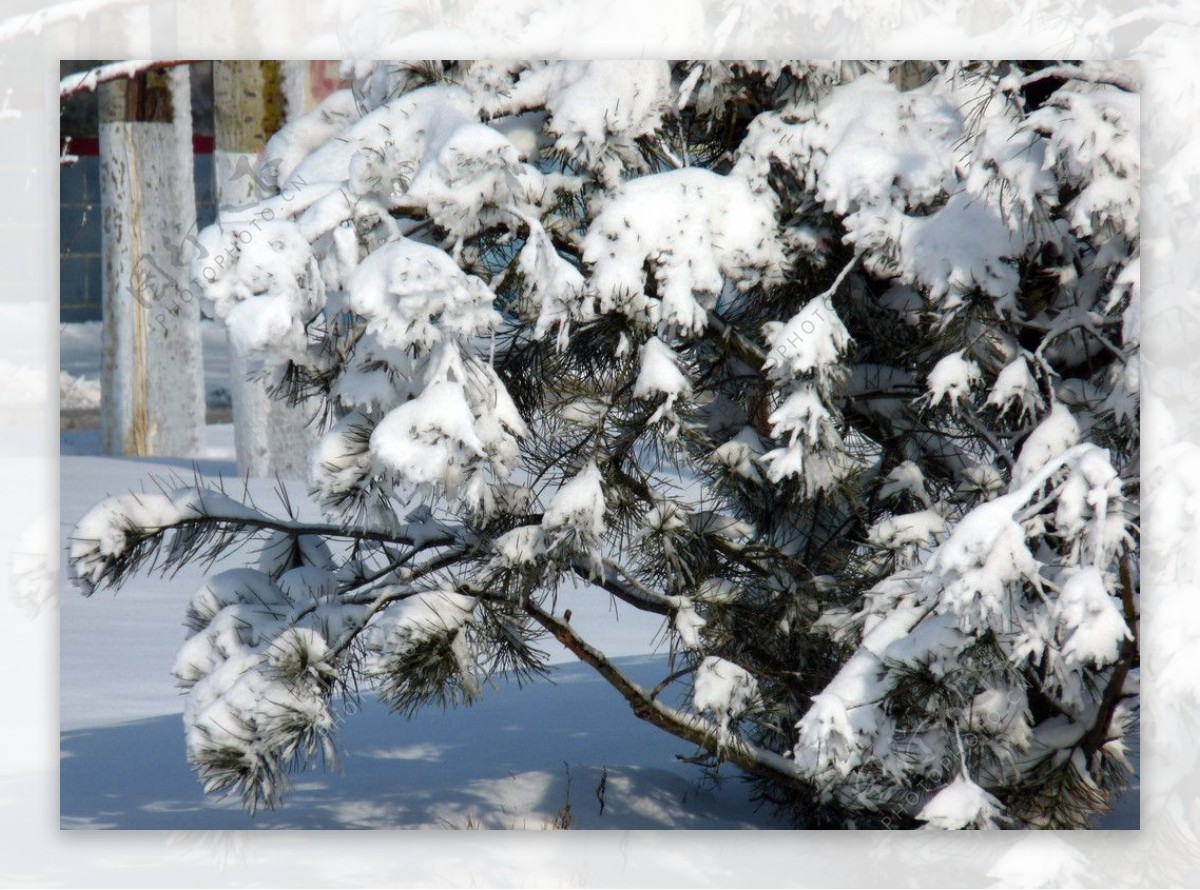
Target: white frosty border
[(1030, 30)]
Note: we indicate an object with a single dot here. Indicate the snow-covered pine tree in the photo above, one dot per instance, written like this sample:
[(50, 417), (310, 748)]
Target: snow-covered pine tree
[(832, 366)]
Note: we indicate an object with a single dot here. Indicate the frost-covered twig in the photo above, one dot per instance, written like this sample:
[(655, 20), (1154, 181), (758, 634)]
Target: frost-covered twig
[(397, 563), (828, 293), (394, 593), (1073, 323)]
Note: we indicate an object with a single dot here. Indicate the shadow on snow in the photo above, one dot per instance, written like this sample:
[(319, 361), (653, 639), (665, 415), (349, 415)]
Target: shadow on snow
[(501, 763)]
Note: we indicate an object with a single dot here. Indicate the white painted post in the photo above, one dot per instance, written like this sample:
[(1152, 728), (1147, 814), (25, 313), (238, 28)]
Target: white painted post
[(152, 377), (270, 436)]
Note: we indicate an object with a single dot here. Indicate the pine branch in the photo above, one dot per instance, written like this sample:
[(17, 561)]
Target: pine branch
[(628, 590), (208, 523), (689, 727), (743, 348)]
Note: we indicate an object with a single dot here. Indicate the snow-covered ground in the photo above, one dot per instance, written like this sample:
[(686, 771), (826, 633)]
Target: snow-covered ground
[(513, 760)]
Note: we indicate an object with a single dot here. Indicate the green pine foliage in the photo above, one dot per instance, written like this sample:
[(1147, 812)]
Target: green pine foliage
[(832, 366)]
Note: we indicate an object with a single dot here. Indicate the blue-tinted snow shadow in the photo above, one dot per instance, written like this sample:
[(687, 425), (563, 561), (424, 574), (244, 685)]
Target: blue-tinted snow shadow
[(502, 763)]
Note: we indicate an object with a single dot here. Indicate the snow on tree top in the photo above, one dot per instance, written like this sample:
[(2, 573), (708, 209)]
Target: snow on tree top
[(431, 438), (802, 415), (659, 374), (811, 341), (1094, 140), (725, 689), (268, 287), (413, 294), (422, 616), (1050, 438), (396, 133), (905, 477), (873, 143), (578, 505), (472, 166), (1090, 619), (951, 379), (897, 532), (963, 245), (695, 228), (1015, 387), (596, 108), (554, 283), (961, 804), (308, 132)]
